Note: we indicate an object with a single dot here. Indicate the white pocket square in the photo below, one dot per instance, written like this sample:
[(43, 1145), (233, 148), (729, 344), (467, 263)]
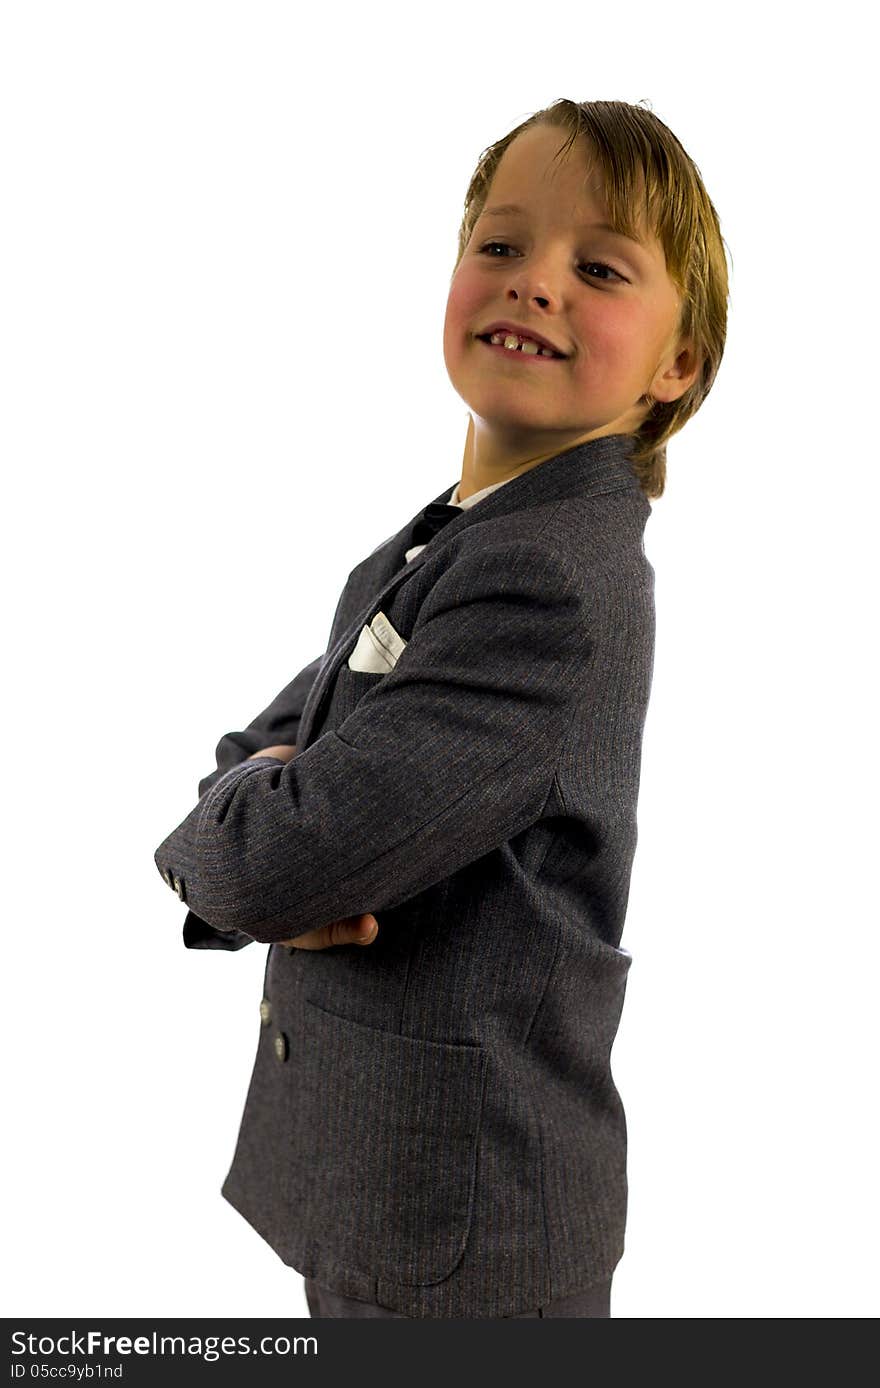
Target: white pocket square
[(378, 647)]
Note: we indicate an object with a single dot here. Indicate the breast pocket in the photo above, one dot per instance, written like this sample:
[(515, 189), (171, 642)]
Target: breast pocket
[(385, 1147)]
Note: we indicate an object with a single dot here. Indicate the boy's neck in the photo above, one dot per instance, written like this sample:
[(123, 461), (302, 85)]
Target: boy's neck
[(486, 470), (488, 464)]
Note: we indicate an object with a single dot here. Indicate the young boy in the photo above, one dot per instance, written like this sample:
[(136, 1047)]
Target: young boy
[(432, 1129)]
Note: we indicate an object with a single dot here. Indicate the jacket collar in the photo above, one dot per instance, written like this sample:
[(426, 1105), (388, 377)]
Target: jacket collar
[(599, 465), (587, 467)]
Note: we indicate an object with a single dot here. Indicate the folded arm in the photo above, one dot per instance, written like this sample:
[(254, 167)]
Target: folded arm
[(450, 755), (278, 723)]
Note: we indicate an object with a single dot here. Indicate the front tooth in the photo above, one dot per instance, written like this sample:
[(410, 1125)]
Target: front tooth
[(502, 339), (512, 343)]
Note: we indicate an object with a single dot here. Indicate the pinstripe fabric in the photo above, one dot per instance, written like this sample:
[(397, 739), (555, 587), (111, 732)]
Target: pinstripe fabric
[(594, 1303), (432, 1122)]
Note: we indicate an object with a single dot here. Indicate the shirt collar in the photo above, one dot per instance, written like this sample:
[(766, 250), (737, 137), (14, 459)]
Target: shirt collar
[(452, 499)]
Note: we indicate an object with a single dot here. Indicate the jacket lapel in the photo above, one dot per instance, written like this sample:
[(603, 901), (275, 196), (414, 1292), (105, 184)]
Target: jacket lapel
[(390, 556), (598, 465)]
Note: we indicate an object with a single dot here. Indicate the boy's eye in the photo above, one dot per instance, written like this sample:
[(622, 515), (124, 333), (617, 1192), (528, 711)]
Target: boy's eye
[(586, 265)]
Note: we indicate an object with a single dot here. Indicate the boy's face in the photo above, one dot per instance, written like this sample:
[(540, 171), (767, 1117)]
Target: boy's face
[(605, 301)]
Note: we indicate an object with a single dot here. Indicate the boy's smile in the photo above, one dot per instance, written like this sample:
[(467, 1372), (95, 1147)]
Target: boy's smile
[(540, 261), (517, 345)]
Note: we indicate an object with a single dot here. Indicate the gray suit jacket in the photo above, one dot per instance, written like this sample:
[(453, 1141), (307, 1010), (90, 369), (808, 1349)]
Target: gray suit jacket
[(432, 1121)]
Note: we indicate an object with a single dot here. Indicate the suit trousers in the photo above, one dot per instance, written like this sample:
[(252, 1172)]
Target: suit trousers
[(595, 1301)]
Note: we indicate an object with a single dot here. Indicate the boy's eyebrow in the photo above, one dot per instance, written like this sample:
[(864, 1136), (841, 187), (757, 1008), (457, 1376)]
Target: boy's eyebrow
[(505, 209)]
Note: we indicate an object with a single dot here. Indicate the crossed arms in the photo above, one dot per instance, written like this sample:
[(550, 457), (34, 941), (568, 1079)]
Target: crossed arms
[(451, 754)]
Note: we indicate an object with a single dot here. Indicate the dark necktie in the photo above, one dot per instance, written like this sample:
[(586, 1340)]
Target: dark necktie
[(435, 515)]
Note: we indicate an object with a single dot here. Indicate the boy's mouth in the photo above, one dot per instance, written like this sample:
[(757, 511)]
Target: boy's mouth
[(522, 349)]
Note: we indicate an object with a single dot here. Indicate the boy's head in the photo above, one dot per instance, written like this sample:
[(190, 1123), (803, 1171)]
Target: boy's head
[(641, 315)]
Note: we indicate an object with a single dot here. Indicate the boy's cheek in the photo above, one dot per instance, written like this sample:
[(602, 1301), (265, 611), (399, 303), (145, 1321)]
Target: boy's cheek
[(466, 304)]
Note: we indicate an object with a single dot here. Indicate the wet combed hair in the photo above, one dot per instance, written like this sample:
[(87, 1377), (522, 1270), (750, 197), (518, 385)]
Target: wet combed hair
[(642, 164)]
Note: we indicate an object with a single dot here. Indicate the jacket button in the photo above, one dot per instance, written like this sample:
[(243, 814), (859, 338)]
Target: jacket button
[(265, 1011), (168, 878), (179, 888), (281, 1045)]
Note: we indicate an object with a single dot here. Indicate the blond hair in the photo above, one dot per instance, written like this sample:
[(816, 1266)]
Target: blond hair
[(638, 158)]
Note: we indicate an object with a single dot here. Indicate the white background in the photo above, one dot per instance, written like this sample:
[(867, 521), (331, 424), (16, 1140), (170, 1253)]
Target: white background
[(227, 236)]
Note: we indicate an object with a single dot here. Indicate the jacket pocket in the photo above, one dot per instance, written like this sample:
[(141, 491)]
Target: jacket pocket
[(385, 1148)]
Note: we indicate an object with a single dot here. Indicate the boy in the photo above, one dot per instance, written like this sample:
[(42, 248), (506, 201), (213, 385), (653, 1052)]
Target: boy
[(432, 1129)]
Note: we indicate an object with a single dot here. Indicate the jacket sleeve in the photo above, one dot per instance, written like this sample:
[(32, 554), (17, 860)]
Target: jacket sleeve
[(278, 723), (449, 755)]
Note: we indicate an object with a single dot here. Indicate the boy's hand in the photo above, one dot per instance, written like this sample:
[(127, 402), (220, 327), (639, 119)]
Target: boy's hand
[(284, 752), (352, 930)]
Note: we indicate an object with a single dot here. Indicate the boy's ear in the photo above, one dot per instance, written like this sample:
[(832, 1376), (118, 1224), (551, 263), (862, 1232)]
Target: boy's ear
[(677, 373)]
